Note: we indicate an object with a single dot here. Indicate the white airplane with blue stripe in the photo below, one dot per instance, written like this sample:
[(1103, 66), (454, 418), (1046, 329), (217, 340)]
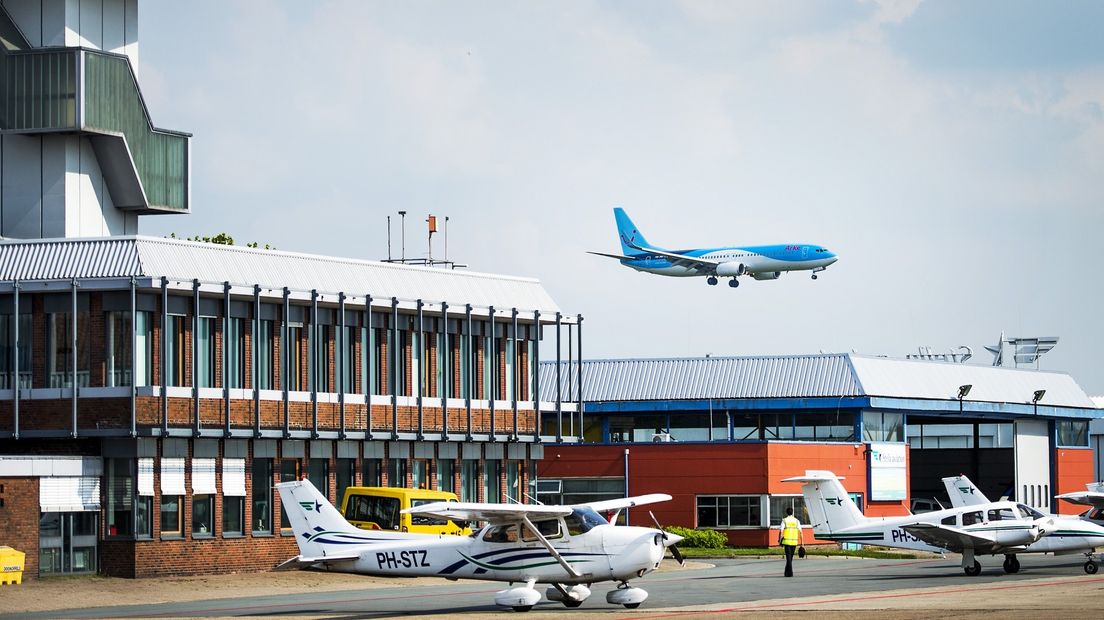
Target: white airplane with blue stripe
[(567, 547), (762, 262)]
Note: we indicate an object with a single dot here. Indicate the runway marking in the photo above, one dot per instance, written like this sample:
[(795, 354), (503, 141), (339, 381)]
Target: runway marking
[(926, 592)]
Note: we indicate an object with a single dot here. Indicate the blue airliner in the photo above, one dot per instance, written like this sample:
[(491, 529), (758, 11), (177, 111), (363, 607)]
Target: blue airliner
[(762, 262)]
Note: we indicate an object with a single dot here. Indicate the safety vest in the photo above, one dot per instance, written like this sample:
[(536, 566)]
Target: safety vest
[(791, 531)]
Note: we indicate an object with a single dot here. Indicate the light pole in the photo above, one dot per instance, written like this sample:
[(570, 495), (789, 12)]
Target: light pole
[(963, 392), (1035, 398), (402, 233)]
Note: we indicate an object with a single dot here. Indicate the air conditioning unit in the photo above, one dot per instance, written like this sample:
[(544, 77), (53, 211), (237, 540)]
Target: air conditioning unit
[(662, 438)]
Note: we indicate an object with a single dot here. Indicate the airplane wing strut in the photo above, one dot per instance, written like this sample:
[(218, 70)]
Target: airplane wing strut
[(547, 545)]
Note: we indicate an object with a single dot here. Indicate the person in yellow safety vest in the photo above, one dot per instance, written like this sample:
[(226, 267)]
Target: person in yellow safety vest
[(790, 537)]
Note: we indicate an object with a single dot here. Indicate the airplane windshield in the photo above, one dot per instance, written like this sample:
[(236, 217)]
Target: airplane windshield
[(582, 520), (1028, 512)]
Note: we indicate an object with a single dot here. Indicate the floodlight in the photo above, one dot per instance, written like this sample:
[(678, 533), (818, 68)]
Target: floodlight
[(964, 390)]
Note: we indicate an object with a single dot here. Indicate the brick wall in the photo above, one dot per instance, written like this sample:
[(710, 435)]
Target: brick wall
[(19, 520)]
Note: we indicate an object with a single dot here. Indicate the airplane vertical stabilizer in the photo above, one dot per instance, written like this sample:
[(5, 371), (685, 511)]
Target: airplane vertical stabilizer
[(319, 528), (830, 507), (628, 233), (963, 492)]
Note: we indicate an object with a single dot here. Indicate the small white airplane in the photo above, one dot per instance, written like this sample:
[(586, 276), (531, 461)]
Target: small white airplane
[(1005, 527), (762, 262), (567, 547), (1093, 497)]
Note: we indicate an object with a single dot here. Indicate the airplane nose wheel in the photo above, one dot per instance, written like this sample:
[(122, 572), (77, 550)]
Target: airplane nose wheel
[(1090, 567), (814, 276), (973, 570), (711, 281)]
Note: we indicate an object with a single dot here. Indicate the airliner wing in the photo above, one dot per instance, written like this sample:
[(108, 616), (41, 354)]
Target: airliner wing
[(951, 538), (701, 265), (617, 256), (628, 502), (491, 513), (1086, 498)]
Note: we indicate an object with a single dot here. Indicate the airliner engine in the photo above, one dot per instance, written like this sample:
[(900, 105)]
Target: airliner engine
[(767, 275), (730, 269)]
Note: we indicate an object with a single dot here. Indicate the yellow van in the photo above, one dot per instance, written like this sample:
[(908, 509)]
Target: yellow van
[(379, 508)]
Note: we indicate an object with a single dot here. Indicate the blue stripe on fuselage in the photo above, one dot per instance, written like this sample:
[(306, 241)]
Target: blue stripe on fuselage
[(792, 253)]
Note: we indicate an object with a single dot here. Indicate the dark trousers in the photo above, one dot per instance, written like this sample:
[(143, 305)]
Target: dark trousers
[(789, 559)]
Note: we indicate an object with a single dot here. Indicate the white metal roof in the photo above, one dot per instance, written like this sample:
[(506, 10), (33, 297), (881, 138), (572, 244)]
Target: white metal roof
[(154, 257), (807, 376)]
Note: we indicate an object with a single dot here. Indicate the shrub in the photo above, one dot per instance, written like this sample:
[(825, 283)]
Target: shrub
[(701, 539)]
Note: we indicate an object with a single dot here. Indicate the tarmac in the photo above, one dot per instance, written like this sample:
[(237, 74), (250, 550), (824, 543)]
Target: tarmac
[(844, 588)]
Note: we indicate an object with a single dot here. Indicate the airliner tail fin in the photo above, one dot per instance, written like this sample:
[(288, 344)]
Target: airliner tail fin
[(632, 240)]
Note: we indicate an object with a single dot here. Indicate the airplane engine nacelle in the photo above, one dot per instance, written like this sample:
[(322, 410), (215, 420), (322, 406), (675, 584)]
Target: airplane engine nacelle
[(767, 275), (725, 270)]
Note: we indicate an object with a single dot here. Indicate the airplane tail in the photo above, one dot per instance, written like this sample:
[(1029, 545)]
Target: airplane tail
[(631, 237), (963, 492), (830, 507), (320, 530)]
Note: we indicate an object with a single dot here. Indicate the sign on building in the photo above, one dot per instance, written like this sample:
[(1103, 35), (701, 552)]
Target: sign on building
[(888, 471)]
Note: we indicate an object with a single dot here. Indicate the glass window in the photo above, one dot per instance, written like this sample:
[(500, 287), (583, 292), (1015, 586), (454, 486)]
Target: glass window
[(549, 529), (511, 366), (501, 534), (1002, 514), (7, 342), (396, 473), (348, 361), (970, 518), (469, 480), (265, 346), (694, 427), (318, 471), (422, 519), (584, 490), (261, 489), (117, 351), (289, 471), (488, 353), (233, 515), (492, 491), (175, 351), (881, 426), (825, 426), (322, 363), (170, 515), (60, 353), (446, 475), (776, 426), (203, 519), (513, 482), (726, 511), (346, 474), (205, 348), (372, 473), (295, 352), (1073, 433), (779, 504), (948, 520), (235, 352), (120, 496), (420, 474)]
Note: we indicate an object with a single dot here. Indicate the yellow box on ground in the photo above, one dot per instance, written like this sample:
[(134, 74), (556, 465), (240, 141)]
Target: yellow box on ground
[(11, 566)]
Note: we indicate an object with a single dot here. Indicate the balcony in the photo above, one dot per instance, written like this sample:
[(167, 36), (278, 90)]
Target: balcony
[(94, 93)]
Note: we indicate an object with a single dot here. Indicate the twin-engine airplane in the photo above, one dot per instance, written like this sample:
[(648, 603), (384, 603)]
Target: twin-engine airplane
[(964, 493), (567, 547), (1005, 527), (762, 262)]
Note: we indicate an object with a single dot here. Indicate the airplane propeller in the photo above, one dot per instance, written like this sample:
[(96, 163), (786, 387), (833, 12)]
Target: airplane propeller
[(667, 542), (1042, 526)]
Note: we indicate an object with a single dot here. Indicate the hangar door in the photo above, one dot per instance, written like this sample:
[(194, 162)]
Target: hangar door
[(1032, 447)]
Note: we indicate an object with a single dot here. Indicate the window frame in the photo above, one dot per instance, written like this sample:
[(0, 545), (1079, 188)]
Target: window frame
[(728, 497)]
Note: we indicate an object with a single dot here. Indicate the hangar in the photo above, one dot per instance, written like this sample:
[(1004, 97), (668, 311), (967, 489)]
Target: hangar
[(719, 433)]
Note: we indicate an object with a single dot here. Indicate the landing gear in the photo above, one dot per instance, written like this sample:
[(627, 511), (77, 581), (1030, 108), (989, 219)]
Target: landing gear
[(818, 269), (734, 283), (973, 570), (1090, 567), (571, 597), (521, 598), (814, 276), (969, 565), (626, 595), (711, 281), (1011, 564)]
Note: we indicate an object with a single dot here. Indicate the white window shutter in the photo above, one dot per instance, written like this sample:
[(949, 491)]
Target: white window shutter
[(172, 476), (145, 477), (203, 477), (69, 493), (233, 477)]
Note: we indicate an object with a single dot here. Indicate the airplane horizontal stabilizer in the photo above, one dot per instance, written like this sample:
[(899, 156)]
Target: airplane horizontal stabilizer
[(617, 256), (300, 562), (813, 475)]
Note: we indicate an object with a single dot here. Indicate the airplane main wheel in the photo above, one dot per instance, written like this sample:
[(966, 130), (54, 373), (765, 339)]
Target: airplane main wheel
[(571, 603), (711, 281), (814, 276), (734, 283), (1090, 567), (520, 608), (1011, 565), (974, 570), (632, 605)]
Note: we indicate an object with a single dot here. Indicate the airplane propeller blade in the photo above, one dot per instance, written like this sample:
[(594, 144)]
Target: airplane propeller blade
[(668, 542)]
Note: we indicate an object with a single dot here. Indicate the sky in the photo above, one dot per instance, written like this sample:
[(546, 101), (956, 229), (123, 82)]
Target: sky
[(951, 153)]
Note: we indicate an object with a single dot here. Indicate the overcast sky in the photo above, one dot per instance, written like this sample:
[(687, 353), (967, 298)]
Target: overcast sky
[(951, 153)]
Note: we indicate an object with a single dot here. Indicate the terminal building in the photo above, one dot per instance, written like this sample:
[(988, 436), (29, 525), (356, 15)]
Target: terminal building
[(720, 433), (152, 391)]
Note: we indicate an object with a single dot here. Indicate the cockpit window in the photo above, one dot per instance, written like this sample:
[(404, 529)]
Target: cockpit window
[(1029, 512), (582, 520), (501, 534)]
